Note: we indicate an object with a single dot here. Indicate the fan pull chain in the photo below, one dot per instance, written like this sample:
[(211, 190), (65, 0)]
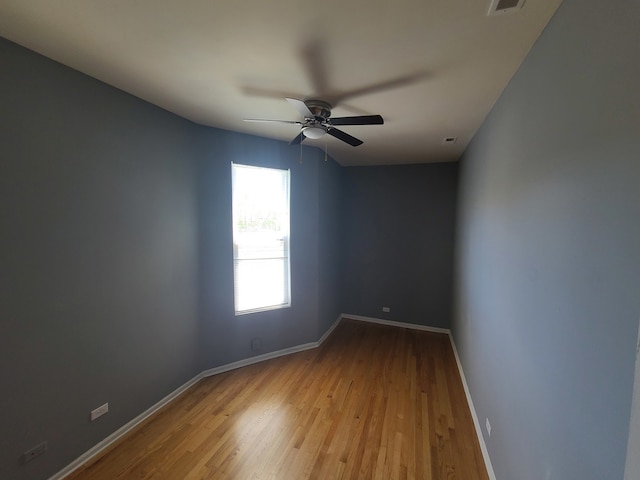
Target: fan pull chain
[(300, 153), (326, 147)]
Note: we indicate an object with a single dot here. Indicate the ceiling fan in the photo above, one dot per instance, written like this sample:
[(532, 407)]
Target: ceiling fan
[(317, 122)]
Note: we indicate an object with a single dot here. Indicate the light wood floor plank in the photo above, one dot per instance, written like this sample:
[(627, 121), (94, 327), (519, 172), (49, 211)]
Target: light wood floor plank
[(373, 402)]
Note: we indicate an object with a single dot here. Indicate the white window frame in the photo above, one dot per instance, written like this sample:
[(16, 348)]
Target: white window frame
[(259, 282)]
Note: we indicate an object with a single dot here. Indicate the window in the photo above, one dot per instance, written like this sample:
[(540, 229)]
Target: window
[(260, 238)]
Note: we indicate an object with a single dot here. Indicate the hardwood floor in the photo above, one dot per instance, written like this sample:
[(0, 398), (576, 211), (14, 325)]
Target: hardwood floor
[(373, 402)]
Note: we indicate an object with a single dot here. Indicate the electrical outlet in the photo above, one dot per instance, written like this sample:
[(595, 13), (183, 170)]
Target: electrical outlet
[(98, 412), (488, 425), (386, 309), (36, 451), (256, 344)]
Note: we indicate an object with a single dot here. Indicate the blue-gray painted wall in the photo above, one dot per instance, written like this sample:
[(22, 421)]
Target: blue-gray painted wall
[(116, 280), (98, 259), (549, 251), (226, 338), (330, 237), (398, 242)]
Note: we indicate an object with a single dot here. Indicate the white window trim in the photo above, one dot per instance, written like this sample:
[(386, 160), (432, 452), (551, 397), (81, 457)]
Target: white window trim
[(287, 242)]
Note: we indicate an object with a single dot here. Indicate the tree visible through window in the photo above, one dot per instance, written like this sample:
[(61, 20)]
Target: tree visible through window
[(260, 238)]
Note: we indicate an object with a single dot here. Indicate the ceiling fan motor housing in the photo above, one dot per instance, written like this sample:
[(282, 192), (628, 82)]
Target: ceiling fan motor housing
[(317, 123), (319, 108)]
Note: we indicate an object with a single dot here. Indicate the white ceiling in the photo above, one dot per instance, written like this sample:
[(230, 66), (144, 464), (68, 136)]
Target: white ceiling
[(431, 68)]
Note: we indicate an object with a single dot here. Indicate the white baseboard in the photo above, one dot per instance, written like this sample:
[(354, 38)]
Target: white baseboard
[(259, 358), (330, 330), (393, 323), (268, 356), (127, 427), (474, 415)]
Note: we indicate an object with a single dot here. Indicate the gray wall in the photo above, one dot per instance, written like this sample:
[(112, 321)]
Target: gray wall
[(226, 338), (549, 259), (330, 246), (116, 274), (398, 229), (98, 259)]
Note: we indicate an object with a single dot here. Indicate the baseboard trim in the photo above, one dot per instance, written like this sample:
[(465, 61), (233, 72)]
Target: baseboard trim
[(474, 415), (129, 426), (393, 323), (259, 358), (268, 356), (330, 330), (122, 431)]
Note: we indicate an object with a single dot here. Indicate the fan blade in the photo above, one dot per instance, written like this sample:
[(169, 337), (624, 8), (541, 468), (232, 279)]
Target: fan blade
[(298, 140), (290, 122), (338, 98), (360, 120), (269, 93), (345, 137), (314, 58), (301, 107)]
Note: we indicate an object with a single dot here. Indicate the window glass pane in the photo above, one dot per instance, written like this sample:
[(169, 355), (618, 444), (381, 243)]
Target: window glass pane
[(263, 284), (260, 238)]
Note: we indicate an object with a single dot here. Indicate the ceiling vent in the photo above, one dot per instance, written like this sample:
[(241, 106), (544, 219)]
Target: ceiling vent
[(500, 7)]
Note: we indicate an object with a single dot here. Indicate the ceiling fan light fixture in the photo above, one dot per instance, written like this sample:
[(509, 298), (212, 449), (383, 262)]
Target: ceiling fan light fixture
[(313, 132)]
